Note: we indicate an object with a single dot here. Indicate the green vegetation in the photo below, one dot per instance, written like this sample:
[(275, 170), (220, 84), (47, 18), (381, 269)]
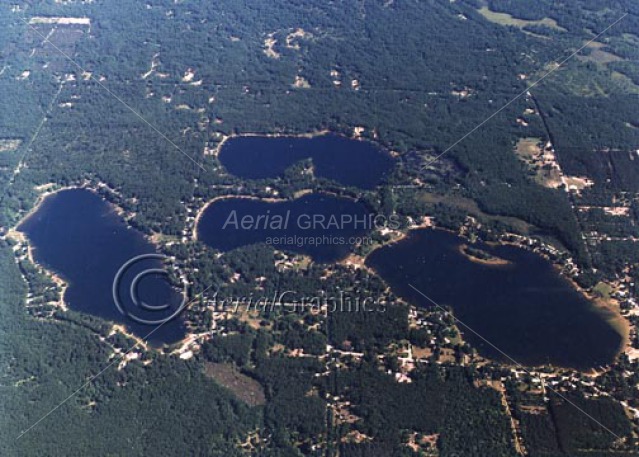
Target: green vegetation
[(507, 19), (469, 421), (557, 431), (418, 76), (46, 361)]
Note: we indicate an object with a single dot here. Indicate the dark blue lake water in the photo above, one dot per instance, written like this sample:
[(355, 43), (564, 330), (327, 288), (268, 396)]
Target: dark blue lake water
[(346, 161), (525, 308), (80, 237), (316, 225)]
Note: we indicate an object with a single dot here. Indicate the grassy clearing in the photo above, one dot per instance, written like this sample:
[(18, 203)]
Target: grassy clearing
[(598, 55), (471, 207), (581, 81), (508, 20), (602, 290)]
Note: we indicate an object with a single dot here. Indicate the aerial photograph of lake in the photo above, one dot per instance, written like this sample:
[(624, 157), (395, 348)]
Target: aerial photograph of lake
[(347, 161), (81, 238), (304, 225), (520, 305)]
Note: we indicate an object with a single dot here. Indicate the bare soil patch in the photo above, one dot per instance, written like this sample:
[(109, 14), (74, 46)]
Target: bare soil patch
[(243, 387)]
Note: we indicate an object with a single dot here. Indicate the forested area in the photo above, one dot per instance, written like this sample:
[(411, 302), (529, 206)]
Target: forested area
[(388, 68), (43, 362), (469, 421), (558, 431), (295, 412), (601, 80), (417, 76)]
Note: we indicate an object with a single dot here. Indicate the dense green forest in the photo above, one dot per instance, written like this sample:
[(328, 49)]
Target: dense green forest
[(469, 420), (417, 76), (44, 362)]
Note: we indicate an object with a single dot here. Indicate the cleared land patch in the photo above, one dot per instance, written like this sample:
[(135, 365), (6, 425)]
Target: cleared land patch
[(541, 160), (269, 46), (243, 387), (60, 20), (598, 55), (9, 144), (508, 20)]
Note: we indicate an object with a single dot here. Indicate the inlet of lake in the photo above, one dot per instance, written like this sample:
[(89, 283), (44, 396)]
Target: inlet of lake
[(348, 162), (522, 311), (77, 235)]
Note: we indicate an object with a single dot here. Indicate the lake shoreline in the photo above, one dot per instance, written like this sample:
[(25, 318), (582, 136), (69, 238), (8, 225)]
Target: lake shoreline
[(313, 134), (56, 277), (17, 235), (299, 194), (209, 203), (608, 309), (335, 155), (355, 135)]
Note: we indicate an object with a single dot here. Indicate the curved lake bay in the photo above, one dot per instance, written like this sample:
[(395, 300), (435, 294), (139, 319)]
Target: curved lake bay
[(80, 237), (519, 303), (346, 161)]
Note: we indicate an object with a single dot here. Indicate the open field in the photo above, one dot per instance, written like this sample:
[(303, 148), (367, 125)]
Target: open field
[(508, 20), (598, 55), (471, 207)]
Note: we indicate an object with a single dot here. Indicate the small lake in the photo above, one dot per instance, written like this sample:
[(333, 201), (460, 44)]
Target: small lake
[(79, 236), (524, 308), (311, 225), (347, 161)]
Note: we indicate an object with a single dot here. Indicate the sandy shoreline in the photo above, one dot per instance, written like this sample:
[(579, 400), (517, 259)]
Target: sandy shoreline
[(121, 328), (610, 312), (427, 222), (609, 309), (16, 234), (57, 279), (21, 237), (42, 196)]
